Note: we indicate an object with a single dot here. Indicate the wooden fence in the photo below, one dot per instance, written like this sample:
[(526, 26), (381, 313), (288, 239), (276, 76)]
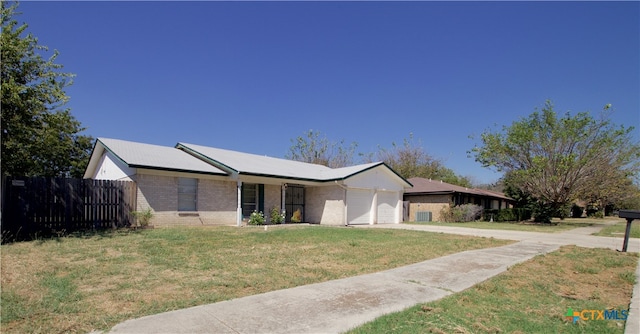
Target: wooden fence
[(40, 206)]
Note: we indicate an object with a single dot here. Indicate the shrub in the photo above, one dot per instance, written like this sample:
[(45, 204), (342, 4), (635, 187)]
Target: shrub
[(276, 217), (507, 214), (446, 214), (256, 218), (563, 212), (143, 218), (597, 214), (461, 213), (543, 213)]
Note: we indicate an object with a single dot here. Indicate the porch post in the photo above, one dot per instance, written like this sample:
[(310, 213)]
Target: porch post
[(374, 208), (399, 209), (239, 210), (282, 199), (345, 212)]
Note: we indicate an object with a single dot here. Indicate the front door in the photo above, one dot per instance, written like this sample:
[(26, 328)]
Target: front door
[(294, 203)]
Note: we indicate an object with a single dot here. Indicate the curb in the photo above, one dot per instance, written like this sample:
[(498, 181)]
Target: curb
[(632, 325)]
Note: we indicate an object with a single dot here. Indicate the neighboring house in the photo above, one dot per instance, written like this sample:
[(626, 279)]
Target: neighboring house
[(432, 196), (189, 184)]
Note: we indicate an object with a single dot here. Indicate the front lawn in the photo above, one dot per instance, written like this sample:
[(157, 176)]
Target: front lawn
[(531, 297), (618, 230), (85, 283)]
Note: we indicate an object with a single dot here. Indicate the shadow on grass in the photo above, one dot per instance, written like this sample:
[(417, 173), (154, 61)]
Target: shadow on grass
[(57, 236)]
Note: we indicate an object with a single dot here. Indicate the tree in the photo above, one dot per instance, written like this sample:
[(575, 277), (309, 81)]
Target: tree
[(410, 160), (557, 160), (313, 148), (630, 200), (39, 137), (620, 192)]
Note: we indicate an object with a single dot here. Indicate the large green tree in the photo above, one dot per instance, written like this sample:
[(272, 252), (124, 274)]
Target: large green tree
[(39, 136), (559, 159)]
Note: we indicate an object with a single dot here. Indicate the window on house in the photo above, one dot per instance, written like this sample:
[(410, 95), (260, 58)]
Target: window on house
[(249, 199), (187, 194), (252, 198)]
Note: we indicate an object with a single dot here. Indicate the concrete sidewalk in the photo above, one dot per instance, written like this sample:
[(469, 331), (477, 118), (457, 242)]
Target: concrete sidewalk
[(580, 236), (339, 305)]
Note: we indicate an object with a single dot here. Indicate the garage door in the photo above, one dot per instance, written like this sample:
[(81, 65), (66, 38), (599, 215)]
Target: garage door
[(359, 206), (387, 203)]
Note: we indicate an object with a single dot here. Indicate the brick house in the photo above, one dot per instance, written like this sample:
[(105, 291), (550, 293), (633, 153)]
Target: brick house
[(193, 184), (428, 197)]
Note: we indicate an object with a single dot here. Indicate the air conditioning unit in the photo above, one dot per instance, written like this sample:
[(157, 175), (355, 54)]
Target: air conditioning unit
[(423, 216)]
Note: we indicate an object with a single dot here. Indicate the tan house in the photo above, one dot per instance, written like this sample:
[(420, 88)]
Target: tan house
[(428, 197), (194, 184)]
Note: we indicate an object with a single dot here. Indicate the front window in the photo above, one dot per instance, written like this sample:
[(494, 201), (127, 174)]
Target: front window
[(249, 199), (187, 194)]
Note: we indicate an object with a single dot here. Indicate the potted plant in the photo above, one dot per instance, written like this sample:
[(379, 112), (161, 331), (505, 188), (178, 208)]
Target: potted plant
[(297, 216)]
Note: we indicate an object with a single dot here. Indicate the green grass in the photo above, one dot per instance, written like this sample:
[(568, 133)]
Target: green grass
[(79, 284), (532, 297), (618, 230)]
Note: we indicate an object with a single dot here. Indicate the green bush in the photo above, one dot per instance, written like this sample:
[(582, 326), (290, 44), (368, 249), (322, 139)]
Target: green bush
[(461, 213), (543, 213), (507, 214), (597, 214), (256, 218), (276, 217), (563, 212), (594, 211), (143, 217)]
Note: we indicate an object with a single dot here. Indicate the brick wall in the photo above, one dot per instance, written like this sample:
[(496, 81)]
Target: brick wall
[(216, 201), (159, 193), (433, 203), (325, 205), (215, 195), (272, 199)]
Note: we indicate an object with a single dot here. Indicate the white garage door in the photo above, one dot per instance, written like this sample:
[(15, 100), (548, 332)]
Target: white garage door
[(387, 203), (359, 206)]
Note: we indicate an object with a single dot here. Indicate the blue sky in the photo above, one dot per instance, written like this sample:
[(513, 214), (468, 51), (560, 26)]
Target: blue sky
[(251, 76)]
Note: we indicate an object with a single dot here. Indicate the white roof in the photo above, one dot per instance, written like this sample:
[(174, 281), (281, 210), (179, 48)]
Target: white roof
[(209, 160), (253, 164), (344, 172), (139, 155)]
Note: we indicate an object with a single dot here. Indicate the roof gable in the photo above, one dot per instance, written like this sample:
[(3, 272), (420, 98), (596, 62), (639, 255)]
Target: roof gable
[(139, 155)]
